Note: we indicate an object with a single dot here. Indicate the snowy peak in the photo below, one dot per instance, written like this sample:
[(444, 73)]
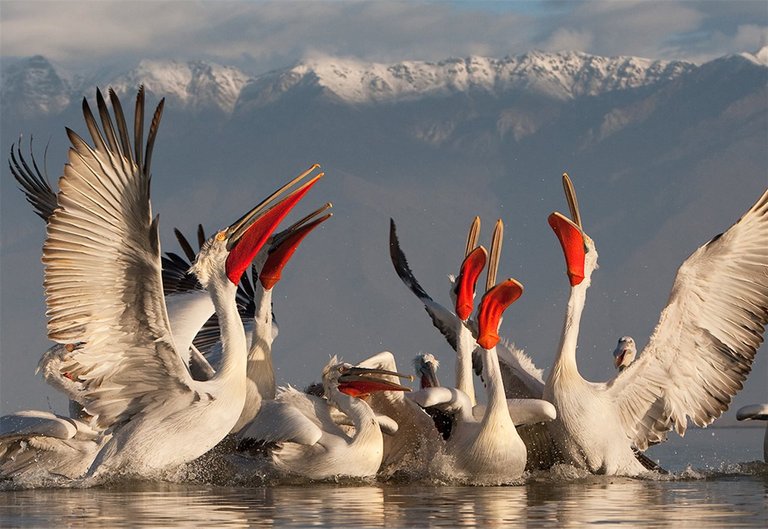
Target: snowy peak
[(196, 85), (34, 87), (557, 75)]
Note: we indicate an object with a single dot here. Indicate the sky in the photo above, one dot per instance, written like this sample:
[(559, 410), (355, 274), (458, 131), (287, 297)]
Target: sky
[(83, 36), (260, 36)]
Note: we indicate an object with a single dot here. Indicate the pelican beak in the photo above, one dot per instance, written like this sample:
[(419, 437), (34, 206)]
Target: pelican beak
[(572, 241), (618, 357), (465, 285), (359, 381), (285, 244), (428, 376), (492, 306), (249, 233)]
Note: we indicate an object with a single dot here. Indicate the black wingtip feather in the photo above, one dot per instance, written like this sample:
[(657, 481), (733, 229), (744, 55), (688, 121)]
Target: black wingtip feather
[(401, 264)]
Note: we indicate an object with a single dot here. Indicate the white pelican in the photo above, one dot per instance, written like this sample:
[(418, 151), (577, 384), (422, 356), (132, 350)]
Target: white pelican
[(255, 307), (522, 380), (35, 443), (456, 327), (487, 450), (135, 382), (426, 366), (525, 380), (756, 412), (625, 353), (188, 304), (409, 448), (697, 359), (301, 437)]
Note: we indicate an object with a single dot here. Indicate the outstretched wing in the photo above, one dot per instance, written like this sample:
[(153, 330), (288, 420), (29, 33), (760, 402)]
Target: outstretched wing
[(704, 344), (33, 183), (102, 271), (446, 321)]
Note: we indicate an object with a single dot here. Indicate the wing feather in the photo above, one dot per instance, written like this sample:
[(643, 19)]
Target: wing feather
[(703, 346), (103, 275), (33, 183), (291, 417)]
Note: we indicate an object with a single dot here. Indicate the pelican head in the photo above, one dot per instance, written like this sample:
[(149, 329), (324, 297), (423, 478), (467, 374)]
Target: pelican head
[(578, 248), (237, 245), (358, 381), (625, 353), (426, 369), (492, 307)]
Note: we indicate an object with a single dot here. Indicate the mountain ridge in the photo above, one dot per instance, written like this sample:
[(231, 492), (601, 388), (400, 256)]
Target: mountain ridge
[(35, 87)]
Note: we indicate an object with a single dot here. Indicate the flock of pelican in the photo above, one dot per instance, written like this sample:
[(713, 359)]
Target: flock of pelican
[(164, 357)]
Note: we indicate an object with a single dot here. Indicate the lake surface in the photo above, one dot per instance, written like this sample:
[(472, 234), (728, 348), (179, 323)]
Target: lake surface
[(716, 481)]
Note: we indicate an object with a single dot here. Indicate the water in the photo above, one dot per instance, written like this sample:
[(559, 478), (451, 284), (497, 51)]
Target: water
[(715, 482)]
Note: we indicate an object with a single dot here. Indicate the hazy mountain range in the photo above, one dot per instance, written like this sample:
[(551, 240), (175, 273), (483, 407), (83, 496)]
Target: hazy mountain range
[(664, 155)]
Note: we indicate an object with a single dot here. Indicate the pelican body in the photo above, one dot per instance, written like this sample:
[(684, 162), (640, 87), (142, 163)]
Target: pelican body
[(301, 436), (698, 357)]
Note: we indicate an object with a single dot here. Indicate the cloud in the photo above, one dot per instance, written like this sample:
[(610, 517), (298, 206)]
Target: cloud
[(264, 35), (567, 39)]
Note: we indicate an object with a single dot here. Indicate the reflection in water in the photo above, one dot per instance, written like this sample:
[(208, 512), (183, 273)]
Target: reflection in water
[(727, 501), (720, 494)]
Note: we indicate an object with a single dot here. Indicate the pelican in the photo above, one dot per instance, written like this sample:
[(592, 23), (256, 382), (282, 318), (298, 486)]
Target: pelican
[(34, 443), (488, 449), (522, 380), (426, 366), (456, 327), (255, 305), (135, 382), (188, 304), (625, 353), (409, 447), (302, 437), (756, 412), (696, 360)]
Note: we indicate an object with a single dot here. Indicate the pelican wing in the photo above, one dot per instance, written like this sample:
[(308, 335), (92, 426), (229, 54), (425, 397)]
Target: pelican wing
[(704, 344), (291, 417), (33, 183), (102, 272), (450, 400), (522, 379), (446, 321)]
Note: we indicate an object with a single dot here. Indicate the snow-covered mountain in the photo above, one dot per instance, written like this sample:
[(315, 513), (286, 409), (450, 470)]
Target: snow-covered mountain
[(558, 75), (36, 85), (194, 85), (33, 87)]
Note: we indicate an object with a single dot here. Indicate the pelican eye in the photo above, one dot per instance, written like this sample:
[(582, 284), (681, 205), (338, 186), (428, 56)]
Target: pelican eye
[(221, 236)]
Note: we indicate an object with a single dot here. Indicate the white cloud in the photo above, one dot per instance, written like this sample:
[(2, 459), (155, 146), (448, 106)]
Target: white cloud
[(263, 35), (567, 39)]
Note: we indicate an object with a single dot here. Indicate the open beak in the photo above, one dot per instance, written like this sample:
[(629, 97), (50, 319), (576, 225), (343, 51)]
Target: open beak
[(465, 284), (572, 241), (570, 233), (493, 259), (246, 236), (285, 244), (360, 381), (472, 236), (492, 307)]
